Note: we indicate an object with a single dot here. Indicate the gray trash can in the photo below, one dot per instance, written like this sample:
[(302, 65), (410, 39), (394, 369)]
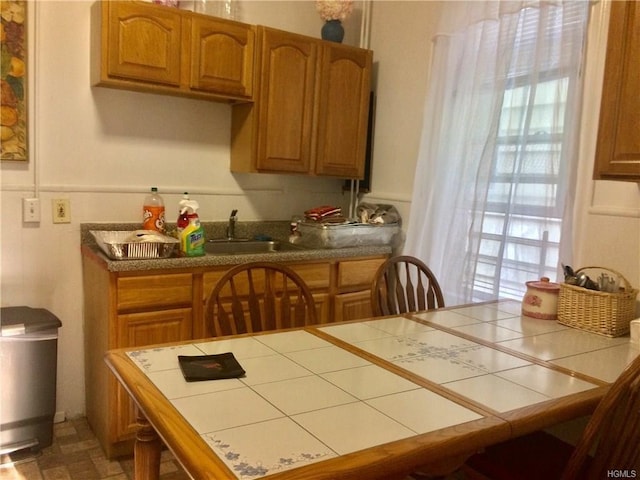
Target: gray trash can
[(28, 362)]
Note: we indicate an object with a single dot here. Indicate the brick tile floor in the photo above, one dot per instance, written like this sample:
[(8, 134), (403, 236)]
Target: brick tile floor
[(76, 455)]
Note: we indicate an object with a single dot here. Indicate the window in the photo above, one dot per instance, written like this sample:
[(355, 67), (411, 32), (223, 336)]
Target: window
[(521, 230), (495, 180)]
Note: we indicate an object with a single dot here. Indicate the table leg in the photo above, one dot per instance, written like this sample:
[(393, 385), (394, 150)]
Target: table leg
[(146, 451)]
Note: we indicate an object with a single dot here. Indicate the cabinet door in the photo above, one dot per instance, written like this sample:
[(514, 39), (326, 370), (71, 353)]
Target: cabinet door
[(353, 306), (144, 42), (343, 111), (618, 147), (286, 101), (222, 56), (138, 330)]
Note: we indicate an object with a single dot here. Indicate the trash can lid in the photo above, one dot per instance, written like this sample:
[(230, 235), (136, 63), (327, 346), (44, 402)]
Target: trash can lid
[(21, 320)]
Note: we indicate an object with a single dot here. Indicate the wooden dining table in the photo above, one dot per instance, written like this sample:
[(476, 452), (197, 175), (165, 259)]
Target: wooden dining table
[(376, 398)]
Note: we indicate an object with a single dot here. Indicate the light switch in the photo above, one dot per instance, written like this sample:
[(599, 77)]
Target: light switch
[(31, 210)]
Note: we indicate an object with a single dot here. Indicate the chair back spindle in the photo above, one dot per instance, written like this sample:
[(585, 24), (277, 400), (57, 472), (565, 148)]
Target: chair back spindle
[(259, 296), (404, 284)]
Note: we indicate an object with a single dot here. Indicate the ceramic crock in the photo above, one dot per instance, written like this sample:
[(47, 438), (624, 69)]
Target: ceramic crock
[(541, 299)]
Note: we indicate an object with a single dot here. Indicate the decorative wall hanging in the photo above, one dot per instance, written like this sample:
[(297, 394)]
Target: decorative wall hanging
[(13, 81)]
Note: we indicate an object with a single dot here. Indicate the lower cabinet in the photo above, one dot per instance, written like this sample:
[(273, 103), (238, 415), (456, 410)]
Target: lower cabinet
[(131, 309), (145, 328), (135, 309)]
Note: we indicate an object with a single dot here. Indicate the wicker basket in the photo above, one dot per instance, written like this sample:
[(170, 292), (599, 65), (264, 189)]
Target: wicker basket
[(599, 312)]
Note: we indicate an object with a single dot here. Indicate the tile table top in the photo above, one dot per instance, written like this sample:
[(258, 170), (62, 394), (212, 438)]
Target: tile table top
[(332, 390), (302, 400)]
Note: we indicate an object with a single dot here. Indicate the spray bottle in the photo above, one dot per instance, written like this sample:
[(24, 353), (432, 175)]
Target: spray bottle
[(191, 236), (183, 217)]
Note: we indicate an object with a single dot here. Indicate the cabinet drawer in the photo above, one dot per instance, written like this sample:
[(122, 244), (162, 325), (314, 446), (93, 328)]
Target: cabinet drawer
[(315, 275), (154, 291), (357, 273)]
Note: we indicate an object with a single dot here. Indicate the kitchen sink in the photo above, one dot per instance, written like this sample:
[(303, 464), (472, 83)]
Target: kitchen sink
[(237, 247)]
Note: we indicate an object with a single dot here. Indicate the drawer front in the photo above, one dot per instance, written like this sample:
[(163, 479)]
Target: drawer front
[(154, 291), (315, 275), (357, 273)]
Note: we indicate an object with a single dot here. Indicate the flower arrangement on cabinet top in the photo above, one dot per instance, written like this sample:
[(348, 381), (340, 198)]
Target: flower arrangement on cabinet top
[(334, 9)]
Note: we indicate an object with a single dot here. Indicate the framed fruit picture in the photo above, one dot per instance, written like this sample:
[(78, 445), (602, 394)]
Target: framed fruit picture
[(13, 81)]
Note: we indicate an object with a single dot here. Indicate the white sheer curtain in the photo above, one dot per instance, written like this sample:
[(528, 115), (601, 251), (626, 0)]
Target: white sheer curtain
[(495, 177)]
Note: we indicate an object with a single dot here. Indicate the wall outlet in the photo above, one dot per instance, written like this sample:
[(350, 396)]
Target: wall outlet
[(61, 210), (30, 210)]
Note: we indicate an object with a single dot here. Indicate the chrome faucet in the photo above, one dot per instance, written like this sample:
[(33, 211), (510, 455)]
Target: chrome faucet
[(231, 229)]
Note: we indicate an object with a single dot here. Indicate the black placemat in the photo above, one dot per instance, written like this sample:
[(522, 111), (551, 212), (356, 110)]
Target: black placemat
[(196, 368)]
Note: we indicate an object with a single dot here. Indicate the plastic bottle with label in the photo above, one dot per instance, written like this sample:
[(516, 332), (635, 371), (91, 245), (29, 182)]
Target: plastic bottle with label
[(192, 236), (183, 217), (153, 212)]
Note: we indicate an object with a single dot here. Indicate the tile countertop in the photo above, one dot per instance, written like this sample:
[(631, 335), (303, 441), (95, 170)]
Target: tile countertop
[(276, 230)]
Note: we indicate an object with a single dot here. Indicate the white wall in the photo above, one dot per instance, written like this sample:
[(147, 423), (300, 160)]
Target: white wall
[(103, 149), (401, 42)]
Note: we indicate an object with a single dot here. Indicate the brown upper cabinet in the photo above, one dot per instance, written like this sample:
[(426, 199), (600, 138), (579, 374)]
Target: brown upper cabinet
[(310, 110), (618, 146), (151, 48)]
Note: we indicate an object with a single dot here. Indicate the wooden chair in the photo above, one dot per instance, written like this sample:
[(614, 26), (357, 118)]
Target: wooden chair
[(404, 284), (258, 296), (612, 436)]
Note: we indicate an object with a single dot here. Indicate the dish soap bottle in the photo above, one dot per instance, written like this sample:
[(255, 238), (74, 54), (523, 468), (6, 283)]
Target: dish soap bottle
[(153, 212), (192, 235)]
